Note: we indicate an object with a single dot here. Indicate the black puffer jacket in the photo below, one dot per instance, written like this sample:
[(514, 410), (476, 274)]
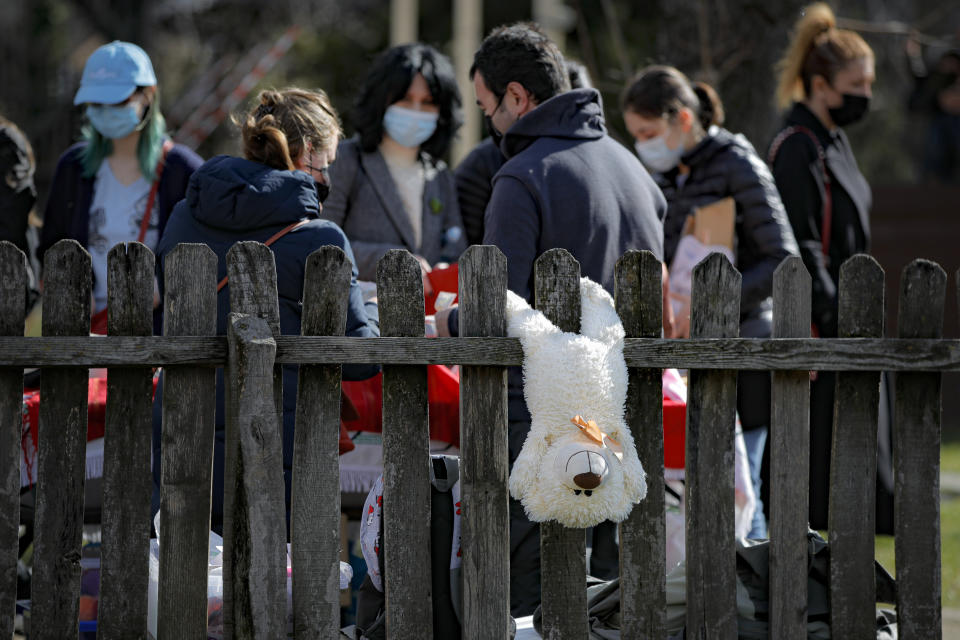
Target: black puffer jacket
[(721, 165)]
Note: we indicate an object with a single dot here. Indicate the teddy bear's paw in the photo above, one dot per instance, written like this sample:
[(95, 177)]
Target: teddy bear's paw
[(635, 483), (517, 487), (523, 476)]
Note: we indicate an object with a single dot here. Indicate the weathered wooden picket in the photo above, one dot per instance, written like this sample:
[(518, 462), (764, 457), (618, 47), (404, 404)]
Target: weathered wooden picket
[(254, 567)]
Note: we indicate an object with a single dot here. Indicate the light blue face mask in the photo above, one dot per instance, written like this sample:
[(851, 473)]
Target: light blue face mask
[(114, 121), (656, 156), (410, 128)]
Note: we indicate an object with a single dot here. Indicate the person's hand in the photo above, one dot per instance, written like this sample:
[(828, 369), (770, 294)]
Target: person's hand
[(912, 45), (681, 325), (425, 268), (442, 321)]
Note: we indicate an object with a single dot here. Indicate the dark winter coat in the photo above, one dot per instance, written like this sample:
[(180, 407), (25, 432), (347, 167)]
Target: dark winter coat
[(474, 177), (567, 184), (800, 181), (67, 215), (233, 199), (365, 202), (800, 178), (726, 165), (68, 208)]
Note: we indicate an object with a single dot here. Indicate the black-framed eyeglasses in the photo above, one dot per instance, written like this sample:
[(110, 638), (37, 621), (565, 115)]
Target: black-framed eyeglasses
[(324, 171)]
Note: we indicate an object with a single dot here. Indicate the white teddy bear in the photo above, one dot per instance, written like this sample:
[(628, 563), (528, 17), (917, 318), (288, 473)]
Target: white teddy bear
[(578, 465)]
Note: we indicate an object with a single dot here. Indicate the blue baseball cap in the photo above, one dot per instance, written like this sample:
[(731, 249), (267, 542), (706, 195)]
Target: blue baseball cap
[(113, 72)]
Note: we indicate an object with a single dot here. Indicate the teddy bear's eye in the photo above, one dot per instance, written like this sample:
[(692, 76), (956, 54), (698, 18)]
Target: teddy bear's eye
[(576, 492)]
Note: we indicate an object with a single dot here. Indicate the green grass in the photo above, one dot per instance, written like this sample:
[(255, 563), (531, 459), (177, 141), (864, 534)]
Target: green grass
[(949, 535)]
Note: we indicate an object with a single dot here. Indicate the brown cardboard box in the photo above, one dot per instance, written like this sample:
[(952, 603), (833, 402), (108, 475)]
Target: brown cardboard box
[(713, 224)]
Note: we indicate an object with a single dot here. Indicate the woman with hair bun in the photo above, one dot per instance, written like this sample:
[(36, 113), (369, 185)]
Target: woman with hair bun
[(826, 75), (274, 195), (677, 132), (391, 190)]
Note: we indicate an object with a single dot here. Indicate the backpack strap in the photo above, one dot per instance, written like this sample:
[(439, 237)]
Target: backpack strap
[(98, 322), (279, 234), (827, 213)]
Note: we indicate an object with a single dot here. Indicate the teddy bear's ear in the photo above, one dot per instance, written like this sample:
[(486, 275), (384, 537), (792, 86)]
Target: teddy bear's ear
[(598, 315)]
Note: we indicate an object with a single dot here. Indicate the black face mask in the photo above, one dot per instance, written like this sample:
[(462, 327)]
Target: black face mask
[(495, 135), (854, 107), (323, 188)]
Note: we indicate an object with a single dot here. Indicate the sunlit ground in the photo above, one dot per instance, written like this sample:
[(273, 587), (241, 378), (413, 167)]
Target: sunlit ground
[(950, 540)]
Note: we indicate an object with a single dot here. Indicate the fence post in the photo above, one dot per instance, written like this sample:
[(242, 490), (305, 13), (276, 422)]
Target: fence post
[(257, 556), (643, 601), (61, 458), (13, 303), (917, 459), (789, 459), (252, 285), (315, 500), (483, 441), (406, 456), (252, 288), (853, 459), (189, 394), (563, 582), (127, 484), (711, 416)]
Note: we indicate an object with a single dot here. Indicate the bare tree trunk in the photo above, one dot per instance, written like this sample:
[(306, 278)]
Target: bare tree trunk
[(740, 42)]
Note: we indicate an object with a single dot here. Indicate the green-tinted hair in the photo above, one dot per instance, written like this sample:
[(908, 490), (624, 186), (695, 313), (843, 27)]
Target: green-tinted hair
[(148, 148)]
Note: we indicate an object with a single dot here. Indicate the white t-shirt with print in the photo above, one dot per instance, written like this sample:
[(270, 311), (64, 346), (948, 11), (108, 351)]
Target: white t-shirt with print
[(115, 216)]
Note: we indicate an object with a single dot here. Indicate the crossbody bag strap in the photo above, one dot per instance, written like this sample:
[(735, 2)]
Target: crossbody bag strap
[(279, 234), (147, 213), (827, 212)]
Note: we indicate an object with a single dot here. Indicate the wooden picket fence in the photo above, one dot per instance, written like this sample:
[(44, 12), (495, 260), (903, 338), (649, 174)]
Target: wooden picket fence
[(254, 535)]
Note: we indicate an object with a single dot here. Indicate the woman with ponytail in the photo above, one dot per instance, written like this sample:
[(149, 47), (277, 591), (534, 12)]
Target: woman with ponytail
[(825, 83), (121, 182), (676, 125), (274, 195)]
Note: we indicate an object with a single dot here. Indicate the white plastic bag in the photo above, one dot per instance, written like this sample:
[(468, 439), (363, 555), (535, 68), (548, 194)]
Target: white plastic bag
[(690, 252), (215, 585), (745, 500)]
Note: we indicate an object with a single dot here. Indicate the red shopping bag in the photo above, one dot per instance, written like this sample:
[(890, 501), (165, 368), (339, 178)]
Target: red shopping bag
[(445, 279), (443, 393)]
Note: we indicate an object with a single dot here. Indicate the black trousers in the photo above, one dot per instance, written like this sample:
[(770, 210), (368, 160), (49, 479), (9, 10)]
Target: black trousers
[(822, 396)]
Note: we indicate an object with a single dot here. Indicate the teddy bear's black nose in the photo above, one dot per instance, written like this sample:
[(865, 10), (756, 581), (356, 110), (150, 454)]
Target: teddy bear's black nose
[(587, 480), (587, 469)]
